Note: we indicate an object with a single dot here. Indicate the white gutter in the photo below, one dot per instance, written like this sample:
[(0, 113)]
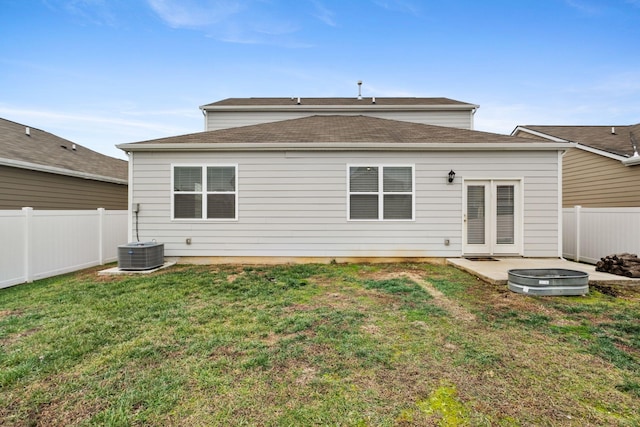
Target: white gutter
[(632, 161), (601, 152), (59, 171), (627, 161), (345, 146)]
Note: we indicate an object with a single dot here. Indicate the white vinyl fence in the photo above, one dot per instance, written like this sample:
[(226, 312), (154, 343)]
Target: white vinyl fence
[(45, 243), (592, 233)]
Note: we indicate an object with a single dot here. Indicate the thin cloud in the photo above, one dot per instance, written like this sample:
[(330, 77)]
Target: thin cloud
[(194, 14), (94, 12), (323, 14), (38, 116), (250, 22), (398, 6), (583, 7)]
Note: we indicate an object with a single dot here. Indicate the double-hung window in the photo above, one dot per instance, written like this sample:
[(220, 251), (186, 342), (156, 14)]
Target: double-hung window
[(381, 193), (205, 192)]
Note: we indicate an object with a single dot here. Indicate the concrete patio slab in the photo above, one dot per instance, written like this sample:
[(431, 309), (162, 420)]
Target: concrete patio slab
[(496, 272), (116, 270)]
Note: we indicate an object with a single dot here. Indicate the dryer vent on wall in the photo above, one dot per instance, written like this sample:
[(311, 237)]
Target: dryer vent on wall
[(140, 256)]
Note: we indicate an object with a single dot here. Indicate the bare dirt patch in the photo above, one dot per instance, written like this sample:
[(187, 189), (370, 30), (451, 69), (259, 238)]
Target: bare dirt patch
[(439, 299)]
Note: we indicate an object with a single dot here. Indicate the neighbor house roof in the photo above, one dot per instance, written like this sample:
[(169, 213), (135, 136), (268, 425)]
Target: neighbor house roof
[(617, 140), (340, 132), (338, 103), (29, 148)]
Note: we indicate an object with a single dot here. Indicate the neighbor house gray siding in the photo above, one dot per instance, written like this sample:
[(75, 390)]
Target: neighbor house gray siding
[(294, 204), (226, 119)]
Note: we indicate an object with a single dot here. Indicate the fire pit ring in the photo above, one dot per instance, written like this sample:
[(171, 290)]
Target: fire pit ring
[(548, 281)]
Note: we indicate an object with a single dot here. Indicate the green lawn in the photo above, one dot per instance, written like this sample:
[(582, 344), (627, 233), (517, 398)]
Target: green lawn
[(351, 345)]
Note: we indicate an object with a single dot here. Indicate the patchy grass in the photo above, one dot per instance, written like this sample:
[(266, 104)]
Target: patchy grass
[(361, 345)]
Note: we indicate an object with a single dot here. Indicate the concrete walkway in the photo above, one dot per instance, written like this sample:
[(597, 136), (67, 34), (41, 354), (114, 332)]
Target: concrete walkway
[(495, 272)]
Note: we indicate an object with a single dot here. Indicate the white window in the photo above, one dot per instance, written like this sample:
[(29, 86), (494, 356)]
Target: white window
[(205, 192), (380, 193)]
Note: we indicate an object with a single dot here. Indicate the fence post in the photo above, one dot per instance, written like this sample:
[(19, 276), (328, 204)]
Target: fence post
[(101, 236), (28, 224), (578, 229)]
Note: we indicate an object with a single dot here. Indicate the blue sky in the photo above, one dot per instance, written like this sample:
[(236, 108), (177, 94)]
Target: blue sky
[(105, 72)]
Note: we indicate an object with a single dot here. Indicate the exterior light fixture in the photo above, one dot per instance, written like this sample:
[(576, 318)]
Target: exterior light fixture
[(452, 175)]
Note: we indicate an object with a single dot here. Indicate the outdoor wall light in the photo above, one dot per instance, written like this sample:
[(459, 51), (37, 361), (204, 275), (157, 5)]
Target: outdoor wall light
[(452, 175)]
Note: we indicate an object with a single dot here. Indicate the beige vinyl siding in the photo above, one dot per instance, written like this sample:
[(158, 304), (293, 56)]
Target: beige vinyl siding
[(40, 190), (294, 204), (226, 119), (594, 181)]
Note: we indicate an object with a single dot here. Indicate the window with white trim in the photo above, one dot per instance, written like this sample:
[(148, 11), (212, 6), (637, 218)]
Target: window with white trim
[(205, 192), (381, 193)]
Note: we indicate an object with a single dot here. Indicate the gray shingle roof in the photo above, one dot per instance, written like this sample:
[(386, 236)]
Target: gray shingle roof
[(45, 149), (337, 102), (338, 129), (599, 137)]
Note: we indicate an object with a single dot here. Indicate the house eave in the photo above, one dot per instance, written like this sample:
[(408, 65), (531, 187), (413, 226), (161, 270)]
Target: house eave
[(631, 161), (59, 171), (627, 161), (345, 146), (337, 108), (536, 133), (602, 153)]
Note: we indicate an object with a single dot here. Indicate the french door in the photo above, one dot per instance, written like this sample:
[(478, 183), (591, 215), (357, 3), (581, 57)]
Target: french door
[(492, 217)]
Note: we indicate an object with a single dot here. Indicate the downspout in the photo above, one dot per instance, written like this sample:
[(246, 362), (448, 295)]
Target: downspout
[(130, 210), (206, 123), (561, 154), (473, 113)]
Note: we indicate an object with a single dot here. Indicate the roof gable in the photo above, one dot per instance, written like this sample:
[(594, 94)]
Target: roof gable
[(55, 154), (337, 129)]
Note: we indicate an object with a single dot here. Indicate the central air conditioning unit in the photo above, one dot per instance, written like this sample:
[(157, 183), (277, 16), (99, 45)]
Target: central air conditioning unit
[(140, 256)]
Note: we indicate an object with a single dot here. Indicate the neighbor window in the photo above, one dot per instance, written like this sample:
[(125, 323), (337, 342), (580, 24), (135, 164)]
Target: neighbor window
[(381, 193), (204, 192)]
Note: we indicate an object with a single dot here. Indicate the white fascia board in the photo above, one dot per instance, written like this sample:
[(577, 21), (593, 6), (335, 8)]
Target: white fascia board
[(340, 108), (627, 161), (601, 152), (536, 133), (631, 161), (59, 171), (347, 146)]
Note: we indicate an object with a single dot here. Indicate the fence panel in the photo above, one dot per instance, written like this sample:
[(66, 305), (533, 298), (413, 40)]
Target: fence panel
[(569, 234), (115, 234), (13, 247), (39, 244), (592, 233)]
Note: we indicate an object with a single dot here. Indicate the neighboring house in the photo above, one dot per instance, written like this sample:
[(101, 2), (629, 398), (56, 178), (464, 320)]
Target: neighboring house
[(43, 171), (346, 185), (603, 170)]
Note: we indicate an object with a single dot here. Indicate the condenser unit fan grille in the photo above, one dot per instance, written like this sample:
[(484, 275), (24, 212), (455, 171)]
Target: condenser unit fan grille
[(140, 256)]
